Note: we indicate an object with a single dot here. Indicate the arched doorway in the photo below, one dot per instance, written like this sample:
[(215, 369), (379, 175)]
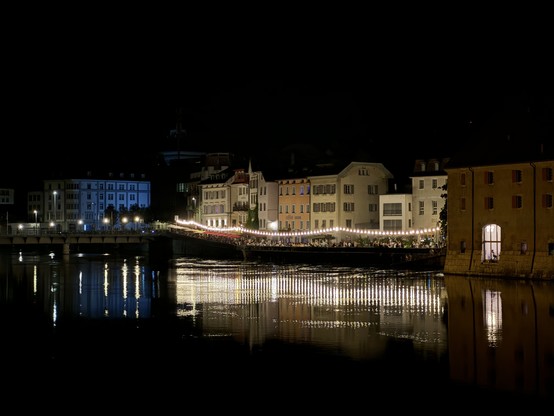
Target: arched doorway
[(492, 244)]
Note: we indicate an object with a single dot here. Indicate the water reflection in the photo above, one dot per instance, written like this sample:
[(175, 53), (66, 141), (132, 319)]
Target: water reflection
[(502, 334), (354, 311), (407, 334)]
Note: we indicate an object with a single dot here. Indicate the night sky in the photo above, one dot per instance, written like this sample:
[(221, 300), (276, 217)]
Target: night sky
[(113, 100)]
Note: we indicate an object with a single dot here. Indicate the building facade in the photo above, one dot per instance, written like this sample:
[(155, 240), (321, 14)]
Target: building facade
[(428, 187), (501, 219)]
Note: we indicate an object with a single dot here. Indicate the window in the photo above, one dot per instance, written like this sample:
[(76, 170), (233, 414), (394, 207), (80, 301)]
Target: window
[(372, 189), (523, 247), (421, 184), (463, 179), (463, 204), (491, 243), (489, 203), (435, 207), (516, 175), (489, 178), (348, 223), (348, 206), (421, 207), (517, 201), (547, 174), (392, 209), (435, 184), (392, 225), (348, 189), (547, 201)]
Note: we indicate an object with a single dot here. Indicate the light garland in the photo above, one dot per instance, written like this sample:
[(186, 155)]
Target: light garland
[(361, 232)]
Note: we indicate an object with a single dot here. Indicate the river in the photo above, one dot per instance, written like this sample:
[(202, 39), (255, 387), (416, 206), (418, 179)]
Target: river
[(124, 330)]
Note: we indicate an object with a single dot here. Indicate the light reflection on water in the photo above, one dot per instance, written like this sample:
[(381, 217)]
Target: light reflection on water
[(339, 309), (416, 329)]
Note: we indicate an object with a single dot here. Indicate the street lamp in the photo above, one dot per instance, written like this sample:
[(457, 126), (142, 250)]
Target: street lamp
[(36, 225), (55, 193)]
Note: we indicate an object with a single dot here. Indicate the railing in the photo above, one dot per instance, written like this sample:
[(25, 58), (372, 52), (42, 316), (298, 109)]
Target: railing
[(96, 237)]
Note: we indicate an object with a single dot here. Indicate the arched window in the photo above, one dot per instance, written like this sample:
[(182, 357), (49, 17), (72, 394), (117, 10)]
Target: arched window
[(492, 244)]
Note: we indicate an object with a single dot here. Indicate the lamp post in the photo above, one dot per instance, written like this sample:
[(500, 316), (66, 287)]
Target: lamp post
[(55, 193), (36, 224)]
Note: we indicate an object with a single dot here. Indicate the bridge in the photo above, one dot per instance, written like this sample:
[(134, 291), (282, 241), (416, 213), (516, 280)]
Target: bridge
[(67, 240)]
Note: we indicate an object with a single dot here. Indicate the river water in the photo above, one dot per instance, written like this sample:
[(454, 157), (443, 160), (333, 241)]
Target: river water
[(127, 331)]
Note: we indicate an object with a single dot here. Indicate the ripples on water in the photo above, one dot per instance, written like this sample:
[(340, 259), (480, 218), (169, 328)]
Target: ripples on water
[(260, 326)]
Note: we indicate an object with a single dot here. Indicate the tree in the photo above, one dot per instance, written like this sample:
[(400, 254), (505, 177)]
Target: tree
[(253, 221), (443, 215)]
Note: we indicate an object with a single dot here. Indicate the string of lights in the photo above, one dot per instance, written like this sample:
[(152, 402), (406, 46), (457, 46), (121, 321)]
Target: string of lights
[(310, 233)]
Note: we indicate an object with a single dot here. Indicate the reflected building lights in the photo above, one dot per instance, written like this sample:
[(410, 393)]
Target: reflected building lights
[(341, 298), (492, 316), (35, 279)]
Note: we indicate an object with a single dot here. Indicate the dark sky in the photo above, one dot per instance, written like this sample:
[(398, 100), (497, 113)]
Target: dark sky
[(259, 117), (99, 100)]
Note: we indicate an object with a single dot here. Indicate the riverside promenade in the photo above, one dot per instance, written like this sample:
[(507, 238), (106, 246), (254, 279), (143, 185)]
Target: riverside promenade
[(223, 245)]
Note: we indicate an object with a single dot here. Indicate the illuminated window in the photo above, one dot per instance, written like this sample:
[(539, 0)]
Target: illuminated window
[(492, 244)]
